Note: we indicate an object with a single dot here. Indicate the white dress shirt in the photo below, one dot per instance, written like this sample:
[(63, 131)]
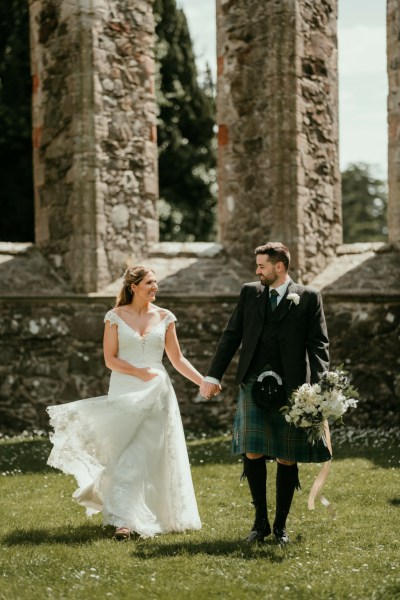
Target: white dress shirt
[(281, 292)]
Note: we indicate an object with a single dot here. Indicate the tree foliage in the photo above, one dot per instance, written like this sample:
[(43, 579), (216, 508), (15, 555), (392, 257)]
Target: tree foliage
[(16, 223), (186, 140), (364, 201)]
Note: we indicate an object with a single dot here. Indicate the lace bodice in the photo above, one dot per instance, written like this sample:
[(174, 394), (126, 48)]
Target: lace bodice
[(140, 350)]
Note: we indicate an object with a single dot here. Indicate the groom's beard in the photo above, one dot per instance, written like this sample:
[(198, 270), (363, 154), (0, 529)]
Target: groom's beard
[(267, 281)]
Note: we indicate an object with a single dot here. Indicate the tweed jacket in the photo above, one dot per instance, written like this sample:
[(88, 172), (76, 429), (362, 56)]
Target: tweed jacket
[(302, 334)]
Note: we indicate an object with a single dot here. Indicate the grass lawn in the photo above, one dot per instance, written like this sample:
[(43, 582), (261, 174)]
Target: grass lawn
[(49, 549)]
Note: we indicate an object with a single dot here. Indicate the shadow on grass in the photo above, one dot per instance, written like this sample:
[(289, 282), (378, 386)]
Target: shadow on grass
[(383, 457), (70, 536), (148, 549), (28, 456), (394, 501), (270, 550)]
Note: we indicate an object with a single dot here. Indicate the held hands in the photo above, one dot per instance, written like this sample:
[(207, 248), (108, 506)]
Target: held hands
[(208, 390), (146, 374)]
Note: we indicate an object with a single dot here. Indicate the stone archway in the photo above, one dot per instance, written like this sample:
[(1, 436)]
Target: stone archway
[(94, 137)]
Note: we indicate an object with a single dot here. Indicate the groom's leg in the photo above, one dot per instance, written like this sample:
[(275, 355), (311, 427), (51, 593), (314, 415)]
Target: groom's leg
[(287, 480), (255, 470)]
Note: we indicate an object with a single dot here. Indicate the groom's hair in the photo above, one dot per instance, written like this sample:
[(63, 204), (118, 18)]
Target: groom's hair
[(276, 251)]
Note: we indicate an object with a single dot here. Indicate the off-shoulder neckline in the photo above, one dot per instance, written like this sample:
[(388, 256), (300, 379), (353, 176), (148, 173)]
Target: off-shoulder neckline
[(141, 335)]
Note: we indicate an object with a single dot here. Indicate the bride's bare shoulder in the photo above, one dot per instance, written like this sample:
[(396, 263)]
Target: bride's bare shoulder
[(161, 312)]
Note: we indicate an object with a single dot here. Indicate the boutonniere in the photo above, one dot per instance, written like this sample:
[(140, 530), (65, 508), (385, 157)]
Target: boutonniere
[(295, 298)]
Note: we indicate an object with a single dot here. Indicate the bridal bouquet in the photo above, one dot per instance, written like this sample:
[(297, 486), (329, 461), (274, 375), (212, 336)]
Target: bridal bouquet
[(328, 400)]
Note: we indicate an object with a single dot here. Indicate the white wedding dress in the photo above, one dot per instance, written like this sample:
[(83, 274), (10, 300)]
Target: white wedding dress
[(127, 450)]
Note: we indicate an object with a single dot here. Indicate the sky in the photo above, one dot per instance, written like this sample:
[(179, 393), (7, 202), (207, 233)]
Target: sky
[(362, 74)]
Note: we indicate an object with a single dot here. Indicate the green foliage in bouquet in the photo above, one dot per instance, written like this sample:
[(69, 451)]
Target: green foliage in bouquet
[(311, 405)]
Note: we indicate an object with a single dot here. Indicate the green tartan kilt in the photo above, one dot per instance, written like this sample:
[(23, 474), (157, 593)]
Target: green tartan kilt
[(267, 432)]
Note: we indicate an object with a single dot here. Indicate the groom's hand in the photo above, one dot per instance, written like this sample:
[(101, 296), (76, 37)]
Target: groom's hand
[(208, 390)]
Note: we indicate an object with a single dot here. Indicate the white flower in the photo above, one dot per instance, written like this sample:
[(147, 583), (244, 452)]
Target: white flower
[(312, 404), (351, 402), (294, 298)]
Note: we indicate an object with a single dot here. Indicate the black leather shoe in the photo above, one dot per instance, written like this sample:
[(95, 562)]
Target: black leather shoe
[(261, 529), (281, 536)]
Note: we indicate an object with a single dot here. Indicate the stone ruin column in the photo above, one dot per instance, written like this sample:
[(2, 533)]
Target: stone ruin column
[(94, 135), (393, 70), (277, 111)]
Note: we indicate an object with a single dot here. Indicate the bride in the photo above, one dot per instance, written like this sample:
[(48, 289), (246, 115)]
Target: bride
[(127, 450)]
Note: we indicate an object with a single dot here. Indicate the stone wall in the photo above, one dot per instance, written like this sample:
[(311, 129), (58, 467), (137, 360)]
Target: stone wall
[(277, 111), (364, 333), (318, 181), (94, 136), (95, 192), (51, 353), (393, 70)]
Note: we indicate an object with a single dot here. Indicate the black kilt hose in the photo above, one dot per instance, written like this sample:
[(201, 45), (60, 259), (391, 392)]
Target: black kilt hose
[(267, 432)]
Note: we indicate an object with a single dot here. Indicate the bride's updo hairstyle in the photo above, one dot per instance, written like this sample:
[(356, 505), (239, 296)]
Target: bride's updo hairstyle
[(133, 275)]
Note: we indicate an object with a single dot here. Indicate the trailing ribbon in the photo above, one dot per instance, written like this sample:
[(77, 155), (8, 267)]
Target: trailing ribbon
[(322, 477)]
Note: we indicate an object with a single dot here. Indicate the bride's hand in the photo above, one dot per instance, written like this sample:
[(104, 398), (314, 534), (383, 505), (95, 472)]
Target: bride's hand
[(146, 374)]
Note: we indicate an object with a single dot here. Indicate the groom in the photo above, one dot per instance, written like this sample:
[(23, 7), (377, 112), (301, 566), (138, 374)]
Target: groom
[(281, 327)]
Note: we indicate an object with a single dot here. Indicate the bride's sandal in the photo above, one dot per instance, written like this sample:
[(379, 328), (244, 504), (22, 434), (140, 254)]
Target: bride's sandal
[(122, 533)]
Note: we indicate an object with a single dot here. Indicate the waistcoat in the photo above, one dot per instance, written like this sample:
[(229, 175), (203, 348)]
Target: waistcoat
[(267, 350)]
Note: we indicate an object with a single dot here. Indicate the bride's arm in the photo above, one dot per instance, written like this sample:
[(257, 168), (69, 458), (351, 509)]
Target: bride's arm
[(178, 361), (110, 351)]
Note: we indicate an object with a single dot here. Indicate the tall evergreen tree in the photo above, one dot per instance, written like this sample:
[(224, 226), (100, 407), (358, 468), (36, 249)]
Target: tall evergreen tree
[(186, 140), (16, 223), (364, 201)]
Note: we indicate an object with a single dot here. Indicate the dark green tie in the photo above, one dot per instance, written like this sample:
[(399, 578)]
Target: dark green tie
[(273, 299)]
